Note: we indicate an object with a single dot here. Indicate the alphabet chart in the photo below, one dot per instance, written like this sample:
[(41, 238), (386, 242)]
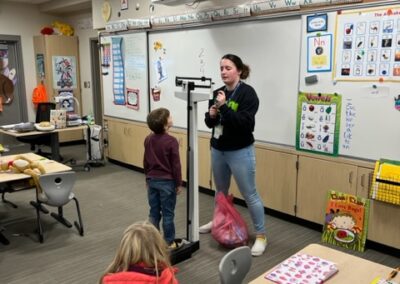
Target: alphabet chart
[(368, 45)]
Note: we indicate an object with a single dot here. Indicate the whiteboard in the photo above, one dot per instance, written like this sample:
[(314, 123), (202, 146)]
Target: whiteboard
[(270, 47), (135, 102), (369, 122)]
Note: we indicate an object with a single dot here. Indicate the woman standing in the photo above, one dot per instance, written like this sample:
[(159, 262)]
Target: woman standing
[(231, 115)]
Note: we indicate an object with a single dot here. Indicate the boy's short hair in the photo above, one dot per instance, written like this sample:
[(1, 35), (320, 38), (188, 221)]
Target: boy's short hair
[(158, 119)]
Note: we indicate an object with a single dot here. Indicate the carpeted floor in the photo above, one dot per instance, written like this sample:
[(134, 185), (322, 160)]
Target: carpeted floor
[(112, 197)]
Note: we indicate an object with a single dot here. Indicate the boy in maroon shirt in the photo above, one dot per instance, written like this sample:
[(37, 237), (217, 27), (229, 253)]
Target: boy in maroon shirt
[(162, 168)]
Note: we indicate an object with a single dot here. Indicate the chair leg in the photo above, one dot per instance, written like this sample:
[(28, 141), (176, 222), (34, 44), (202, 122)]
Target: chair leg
[(39, 206), (7, 201), (39, 224), (60, 217), (79, 226), (3, 239)]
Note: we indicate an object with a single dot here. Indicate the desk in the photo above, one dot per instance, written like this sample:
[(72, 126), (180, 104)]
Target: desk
[(49, 166), (352, 269), (54, 143)]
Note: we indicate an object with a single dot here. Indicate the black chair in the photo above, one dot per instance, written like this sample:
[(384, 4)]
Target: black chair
[(42, 114)]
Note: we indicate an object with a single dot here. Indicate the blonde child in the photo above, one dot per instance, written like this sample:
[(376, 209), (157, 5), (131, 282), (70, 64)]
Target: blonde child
[(142, 257)]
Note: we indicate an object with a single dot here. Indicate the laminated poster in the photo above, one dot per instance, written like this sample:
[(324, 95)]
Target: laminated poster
[(318, 122)]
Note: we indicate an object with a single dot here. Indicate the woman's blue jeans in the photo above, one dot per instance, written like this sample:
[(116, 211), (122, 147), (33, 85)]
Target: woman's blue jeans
[(242, 165), (162, 200)]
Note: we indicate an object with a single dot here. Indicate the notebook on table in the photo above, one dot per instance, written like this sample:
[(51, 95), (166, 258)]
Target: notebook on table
[(302, 269)]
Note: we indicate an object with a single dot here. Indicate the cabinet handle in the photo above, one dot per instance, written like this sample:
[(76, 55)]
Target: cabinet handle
[(351, 177), (362, 180)]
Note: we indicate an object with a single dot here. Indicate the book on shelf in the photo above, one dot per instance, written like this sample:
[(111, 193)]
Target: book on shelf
[(346, 220), (302, 268)]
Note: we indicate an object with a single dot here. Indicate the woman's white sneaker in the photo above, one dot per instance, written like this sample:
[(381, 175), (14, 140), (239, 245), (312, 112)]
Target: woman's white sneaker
[(259, 246), (206, 229)]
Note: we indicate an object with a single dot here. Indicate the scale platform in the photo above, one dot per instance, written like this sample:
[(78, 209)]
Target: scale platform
[(183, 252)]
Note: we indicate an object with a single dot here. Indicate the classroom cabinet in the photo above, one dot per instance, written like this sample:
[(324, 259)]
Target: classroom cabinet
[(384, 218), (316, 177), (204, 157), (125, 141), (364, 178), (50, 53), (276, 177), (182, 141)]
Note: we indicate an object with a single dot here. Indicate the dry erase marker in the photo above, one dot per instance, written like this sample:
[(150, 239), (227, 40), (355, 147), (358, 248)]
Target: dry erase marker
[(393, 273)]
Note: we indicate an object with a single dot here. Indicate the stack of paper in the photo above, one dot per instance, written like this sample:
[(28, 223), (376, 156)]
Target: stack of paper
[(302, 268)]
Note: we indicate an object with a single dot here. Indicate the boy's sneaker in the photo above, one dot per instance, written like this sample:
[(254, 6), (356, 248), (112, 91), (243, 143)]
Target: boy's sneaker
[(259, 246), (205, 229), (177, 243)]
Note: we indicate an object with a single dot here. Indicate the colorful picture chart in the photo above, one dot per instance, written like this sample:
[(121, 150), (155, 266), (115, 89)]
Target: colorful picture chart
[(346, 221), (318, 122), (368, 45)]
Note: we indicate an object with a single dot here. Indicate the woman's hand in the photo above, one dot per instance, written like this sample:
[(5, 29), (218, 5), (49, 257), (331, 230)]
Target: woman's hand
[(213, 111), (220, 99)]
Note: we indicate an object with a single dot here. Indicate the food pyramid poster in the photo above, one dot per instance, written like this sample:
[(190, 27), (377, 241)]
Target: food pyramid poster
[(346, 220)]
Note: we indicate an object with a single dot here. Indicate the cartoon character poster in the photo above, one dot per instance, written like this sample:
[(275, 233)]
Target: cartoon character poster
[(346, 221), (64, 72), (159, 64)]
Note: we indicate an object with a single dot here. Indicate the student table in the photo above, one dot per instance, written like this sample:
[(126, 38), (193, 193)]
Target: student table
[(352, 269), (7, 177), (54, 143)]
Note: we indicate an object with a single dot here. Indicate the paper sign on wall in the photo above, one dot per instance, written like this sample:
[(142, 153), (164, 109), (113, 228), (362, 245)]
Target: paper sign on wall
[(318, 122)]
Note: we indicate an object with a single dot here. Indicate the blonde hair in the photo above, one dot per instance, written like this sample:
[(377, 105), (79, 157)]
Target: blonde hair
[(140, 243)]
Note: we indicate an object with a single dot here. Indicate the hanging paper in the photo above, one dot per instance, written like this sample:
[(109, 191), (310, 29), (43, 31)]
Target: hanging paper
[(368, 45), (64, 70), (318, 122), (118, 71), (319, 53)]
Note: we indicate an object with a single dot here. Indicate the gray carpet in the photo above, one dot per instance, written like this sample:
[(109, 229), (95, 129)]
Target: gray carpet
[(112, 197)]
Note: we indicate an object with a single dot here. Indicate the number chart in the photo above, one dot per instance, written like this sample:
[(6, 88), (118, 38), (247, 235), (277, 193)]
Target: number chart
[(318, 123)]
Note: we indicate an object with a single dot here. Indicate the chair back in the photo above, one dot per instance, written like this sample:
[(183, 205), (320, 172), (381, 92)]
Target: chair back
[(43, 111), (57, 187), (234, 266)]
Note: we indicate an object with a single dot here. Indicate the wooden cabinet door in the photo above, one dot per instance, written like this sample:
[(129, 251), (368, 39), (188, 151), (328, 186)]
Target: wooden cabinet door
[(384, 223), (364, 177), (276, 177), (125, 142), (315, 179), (182, 141), (204, 157), (384, 218)]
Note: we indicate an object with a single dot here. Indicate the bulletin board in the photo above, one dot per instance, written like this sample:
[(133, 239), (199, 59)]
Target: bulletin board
[(369, 127), (270, 47), (124, 76)]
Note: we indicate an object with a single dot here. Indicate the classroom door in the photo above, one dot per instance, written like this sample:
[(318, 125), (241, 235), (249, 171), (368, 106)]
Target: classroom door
[(96, 85), (14, 106)]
